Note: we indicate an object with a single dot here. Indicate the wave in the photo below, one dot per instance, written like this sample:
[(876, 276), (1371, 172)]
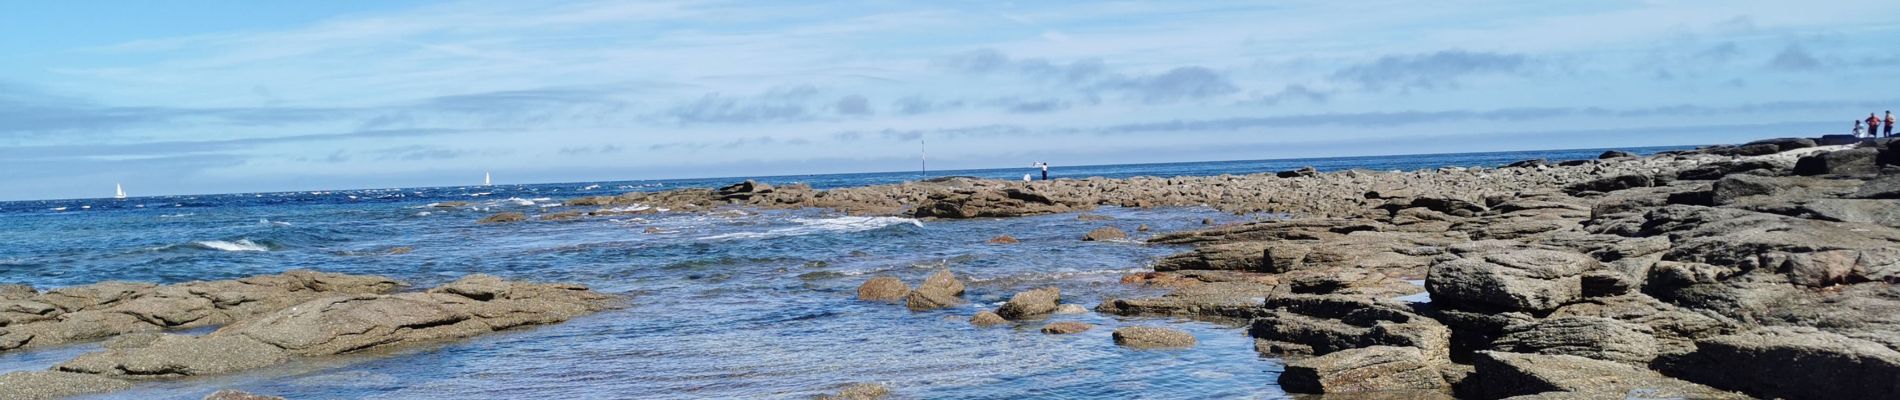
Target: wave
[(239, 245), (807, 226), (178, 215)]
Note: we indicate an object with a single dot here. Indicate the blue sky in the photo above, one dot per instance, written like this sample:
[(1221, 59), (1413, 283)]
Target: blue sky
[(225, 96)]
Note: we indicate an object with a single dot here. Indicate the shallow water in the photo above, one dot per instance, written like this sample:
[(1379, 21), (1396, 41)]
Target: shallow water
[(728, 305)]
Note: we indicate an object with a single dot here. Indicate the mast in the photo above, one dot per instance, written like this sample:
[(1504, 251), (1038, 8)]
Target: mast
[(923, 157), (485, 179), (118, 191)]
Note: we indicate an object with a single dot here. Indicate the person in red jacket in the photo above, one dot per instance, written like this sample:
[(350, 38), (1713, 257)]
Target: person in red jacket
[(1873, 125), (1889, 123)]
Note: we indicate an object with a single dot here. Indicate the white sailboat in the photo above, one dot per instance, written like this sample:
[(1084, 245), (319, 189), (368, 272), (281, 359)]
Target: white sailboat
[(485, 180), (119, 191)]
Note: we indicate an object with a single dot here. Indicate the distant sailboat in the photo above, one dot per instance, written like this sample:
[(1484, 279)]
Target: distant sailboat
[(485, 180), (118, 191)]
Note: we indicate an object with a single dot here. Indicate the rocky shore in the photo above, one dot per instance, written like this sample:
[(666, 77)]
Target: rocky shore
[(266, 320), (1765, 270)]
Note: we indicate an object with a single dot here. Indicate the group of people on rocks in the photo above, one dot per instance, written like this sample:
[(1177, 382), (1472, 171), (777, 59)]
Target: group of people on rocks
[(1873, 127)]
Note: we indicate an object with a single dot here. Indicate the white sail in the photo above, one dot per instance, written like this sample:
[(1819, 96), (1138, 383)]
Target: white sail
[(485, 180), (118, 191)]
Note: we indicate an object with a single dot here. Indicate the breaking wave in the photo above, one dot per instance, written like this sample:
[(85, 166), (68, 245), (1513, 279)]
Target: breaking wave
[(807, 226), (238, 245)]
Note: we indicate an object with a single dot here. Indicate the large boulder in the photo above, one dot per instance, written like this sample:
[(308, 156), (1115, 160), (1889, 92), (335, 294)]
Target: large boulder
[(1242, 256), (1717, 170), (1030, 304), (1104, 234), (1501, 375), (1793, 363), (1593, 337), (1615, 154), (939, 290), (1529, 279), (1323, 324), (1615, 183), (1857, 161), (1363, 370)]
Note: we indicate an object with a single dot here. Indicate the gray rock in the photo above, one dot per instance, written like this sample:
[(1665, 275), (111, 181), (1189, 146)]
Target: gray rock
[(1878, 212), (1501, 375), (987, 318), (944, 280), (503, 217), (930, 298), (1066, 327), (1858, 161), (1323, 324), (1785, 144), (1533, 280), (1884, 187), (1591, 337), (1794, 363), (1030, 304), (47, 385), (1363, 370), (859, 391), (173, 356), (1150, 337), (1615, 154), (1614, 183)]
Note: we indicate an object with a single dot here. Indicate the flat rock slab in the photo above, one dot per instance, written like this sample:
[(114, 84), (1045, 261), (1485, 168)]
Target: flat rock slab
[(1794, 363), (1502, 375), (1150, 337), (1363, 370), (37, 385)]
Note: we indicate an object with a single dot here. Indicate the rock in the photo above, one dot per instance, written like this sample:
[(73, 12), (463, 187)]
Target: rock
[(1591, 337), (1141, 228), (173, 356), (1858, 161), (1303, 172), (944, 280), (986, 318), (1501, 375), (1150, 337), (1071, 309), (930, 298), (1105, 233), (504, 217), (742, 191), (1066, 327), (1785, 144), (652, 230), (1242, 256), (1615, 154), (47, 385), (1877, 212), (1533, 280), (1717, 170), (1031, 304), (883, 288), (233, 394), (563, 216), (1884, 187), (1794, 363), (1532, 163), (1363, 370), (450, 204), (1323, 324), (1758, 149), (1004, 239), (859, 391), (1093, 217), (1614, 183)]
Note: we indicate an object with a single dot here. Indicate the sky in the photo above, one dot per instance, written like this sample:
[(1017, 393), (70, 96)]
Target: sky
[(200, 96)]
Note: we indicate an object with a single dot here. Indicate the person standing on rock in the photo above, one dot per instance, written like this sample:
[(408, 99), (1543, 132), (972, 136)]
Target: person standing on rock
[(1889, 123), (1858, 132), (1045, 169), (1873, 125)]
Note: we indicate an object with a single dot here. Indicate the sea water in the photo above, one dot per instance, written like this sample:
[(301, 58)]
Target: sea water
[(733, 304)]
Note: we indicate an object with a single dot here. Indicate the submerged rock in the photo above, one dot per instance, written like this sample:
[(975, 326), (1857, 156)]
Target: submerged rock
[(1152, 337), (1066, 327), (1105, 233), (504, 217), (987, 318), (859, 391), (234, 394), (1004, 239), (46, 385)]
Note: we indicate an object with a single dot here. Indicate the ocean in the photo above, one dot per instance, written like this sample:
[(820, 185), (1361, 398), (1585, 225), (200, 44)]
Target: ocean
[(732, 304)]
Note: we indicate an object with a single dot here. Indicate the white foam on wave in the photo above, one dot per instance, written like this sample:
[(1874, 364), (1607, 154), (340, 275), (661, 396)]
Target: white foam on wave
[(178, 215), (807, 226), (266, 221), (239, 245), (519, 201)]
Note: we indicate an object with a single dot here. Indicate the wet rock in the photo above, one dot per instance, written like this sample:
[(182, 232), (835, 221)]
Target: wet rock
[(1536, 280), (1615, 154), (1141, 228), (450, 204), (1105, 233), (1066, 327), (1030, 304), (859, 391), (234, 394), (563, 216), (504, 217), (652, 230), (46, 385), (883, 288), (1004, 239), (1323, 324), (1093, 217), (1150, 337), (930, 299), (987, 318), (1859, 161), (1363, 370), (1591, 337), (1501, 375), (1792, 363), (742, 191)]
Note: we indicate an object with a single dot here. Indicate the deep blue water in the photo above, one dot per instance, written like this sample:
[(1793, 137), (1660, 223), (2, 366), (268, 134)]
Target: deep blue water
[(728, 305)]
